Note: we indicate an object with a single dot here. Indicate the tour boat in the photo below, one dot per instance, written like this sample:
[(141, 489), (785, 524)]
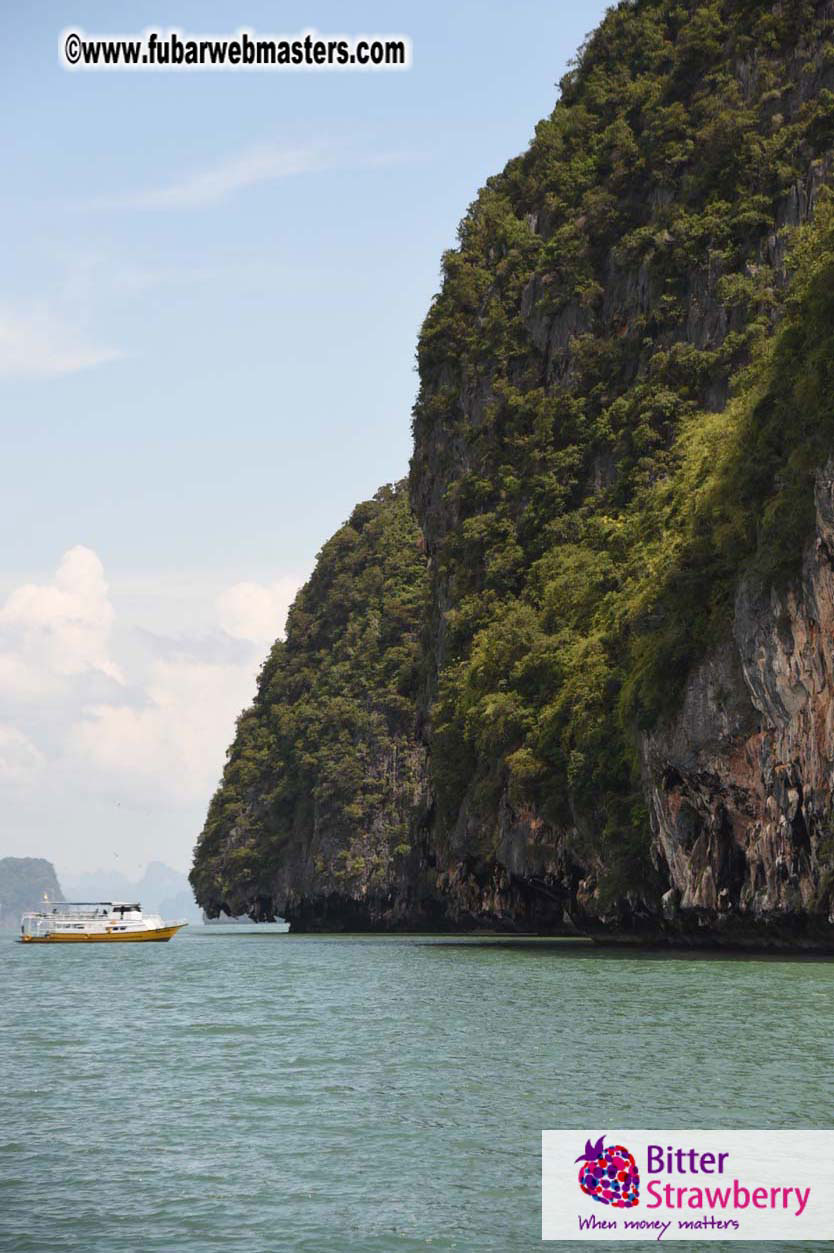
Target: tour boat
[(99, 922)]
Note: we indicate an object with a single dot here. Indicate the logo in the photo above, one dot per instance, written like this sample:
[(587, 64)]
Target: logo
[(696, 1185), (609, 1175)]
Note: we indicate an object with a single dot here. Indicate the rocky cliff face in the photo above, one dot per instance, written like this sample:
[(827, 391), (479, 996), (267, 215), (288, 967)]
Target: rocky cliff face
[(741, 776), (620, 638)]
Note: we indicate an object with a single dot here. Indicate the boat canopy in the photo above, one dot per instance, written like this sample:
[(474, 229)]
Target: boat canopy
[(115, 904), (121, 906)]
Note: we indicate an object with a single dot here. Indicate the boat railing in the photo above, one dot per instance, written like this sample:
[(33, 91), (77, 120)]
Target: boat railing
[(60, 913), (39, 922), (35, 923)]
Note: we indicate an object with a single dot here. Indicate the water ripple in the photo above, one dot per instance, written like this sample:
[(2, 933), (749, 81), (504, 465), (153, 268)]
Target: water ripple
[(367, 1094)]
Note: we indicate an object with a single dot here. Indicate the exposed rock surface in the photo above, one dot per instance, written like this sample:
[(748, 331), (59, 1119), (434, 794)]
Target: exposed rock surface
[(741, 779)]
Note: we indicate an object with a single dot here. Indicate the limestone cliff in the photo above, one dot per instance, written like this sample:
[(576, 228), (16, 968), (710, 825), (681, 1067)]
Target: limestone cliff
[(621, 646)]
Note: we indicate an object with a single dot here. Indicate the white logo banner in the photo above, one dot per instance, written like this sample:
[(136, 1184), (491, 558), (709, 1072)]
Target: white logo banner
[(687, 1185)]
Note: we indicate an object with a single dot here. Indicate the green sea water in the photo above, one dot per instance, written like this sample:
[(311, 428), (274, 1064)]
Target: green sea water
[(323, 1093)]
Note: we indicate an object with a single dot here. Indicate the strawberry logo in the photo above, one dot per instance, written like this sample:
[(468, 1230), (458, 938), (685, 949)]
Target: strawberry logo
[(610, 1175)]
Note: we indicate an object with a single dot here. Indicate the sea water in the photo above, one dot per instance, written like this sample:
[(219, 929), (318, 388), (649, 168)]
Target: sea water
[(321, 1093)]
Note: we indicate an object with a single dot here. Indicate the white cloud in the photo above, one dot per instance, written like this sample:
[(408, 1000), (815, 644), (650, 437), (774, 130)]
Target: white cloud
[(175, 741), (37, 342), (53, 631), (21, 679), (258, 164), (20, 760), (256, 611), (127, 699), (176, 738)]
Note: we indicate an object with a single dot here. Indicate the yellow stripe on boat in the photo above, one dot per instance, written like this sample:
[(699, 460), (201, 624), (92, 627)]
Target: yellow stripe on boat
[(105, 937)]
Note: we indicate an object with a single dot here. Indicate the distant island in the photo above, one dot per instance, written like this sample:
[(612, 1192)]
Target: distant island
[(161, 889), (24, 883)]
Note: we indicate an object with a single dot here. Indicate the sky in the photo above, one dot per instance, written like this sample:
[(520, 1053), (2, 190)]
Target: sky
[(210, 298)]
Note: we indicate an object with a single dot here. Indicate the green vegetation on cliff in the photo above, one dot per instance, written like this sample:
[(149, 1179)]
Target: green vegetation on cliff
[(610, 289), (625, 394), (738, 500), (325, 775)]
